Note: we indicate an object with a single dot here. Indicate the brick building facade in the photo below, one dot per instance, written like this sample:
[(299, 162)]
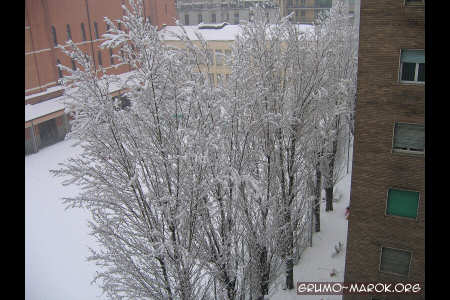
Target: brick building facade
[(49, 24), (386, 232)]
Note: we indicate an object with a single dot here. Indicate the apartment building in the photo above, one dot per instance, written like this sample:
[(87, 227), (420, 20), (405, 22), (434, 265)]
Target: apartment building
[(220, 39), (307, 11), (194, 12), (48, 25), (386, 231)]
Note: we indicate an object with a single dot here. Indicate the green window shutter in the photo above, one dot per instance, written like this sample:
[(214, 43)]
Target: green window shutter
[(402, 203), (413, 56), (395, 261), (409, 137)]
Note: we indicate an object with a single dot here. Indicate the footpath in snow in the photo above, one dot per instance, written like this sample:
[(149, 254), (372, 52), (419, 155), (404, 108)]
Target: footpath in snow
[(317, 263)]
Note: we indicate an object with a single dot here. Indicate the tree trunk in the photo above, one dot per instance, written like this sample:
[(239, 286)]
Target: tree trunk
[(329, 198), (264, 271), (330, 179), (317, 199), (289, 252)]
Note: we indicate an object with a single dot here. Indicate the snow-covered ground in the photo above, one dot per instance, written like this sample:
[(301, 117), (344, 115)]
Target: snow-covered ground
[(56, 240)]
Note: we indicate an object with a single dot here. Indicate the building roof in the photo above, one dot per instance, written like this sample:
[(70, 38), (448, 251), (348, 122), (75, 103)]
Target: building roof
[(211, 32), (35, 111)]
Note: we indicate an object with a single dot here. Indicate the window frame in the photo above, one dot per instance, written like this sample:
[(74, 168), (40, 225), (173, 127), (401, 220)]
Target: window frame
[(416, 70), (392, 273), (416, 219), (410, 152)]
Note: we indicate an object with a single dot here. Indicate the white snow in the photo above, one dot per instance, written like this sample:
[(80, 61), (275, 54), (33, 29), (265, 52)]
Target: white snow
[(34, 111), (43, 108), (317, 262), (226, 33), (56, 241)]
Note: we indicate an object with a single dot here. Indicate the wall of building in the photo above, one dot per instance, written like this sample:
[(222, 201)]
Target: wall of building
[(40, 53), (386, 27), (218, 72)]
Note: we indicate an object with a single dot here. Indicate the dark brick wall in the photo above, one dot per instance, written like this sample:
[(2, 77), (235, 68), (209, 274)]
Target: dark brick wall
[(386, 27)]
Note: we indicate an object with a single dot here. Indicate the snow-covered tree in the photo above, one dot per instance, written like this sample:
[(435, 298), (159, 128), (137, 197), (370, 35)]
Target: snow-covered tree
[(198, 191), (339, 35)]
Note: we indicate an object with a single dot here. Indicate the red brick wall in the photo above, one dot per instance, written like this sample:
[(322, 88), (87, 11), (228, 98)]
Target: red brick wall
[(386, 27), (41, 56)]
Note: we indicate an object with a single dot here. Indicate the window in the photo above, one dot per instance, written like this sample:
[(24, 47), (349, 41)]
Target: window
[(414, 2), (409, 138), (213, 18), (69, 34), (209, 57), (74, 66), (58, 62), (111, 58), (96, 30), (236, 18), (55, 41), (412, 66), (99, 55), (107, 27), (302, 13), (200, 18), (186, 19), (211, 78), (219, 57), (402, 203), (121, 102), (303, 2), (219, 79), (395, 261), (83, 32), (323, 3), (228, 56)]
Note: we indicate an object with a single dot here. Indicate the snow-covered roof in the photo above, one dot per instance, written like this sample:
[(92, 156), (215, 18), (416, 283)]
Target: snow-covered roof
[(212, 32), (34, 111), (43, 108)]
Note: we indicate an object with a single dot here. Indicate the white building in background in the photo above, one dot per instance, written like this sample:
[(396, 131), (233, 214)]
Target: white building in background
[(194, 12)]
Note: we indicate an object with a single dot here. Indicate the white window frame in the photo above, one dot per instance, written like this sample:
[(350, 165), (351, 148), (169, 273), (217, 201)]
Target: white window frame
[(393, 150), (392, 273), (394, 216), (416, 71)]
